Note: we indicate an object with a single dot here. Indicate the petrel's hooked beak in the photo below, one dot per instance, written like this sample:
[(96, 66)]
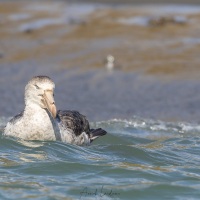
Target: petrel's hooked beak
[(49, 102)]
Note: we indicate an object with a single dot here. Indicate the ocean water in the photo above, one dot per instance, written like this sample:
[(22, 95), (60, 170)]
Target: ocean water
[(137, 159)]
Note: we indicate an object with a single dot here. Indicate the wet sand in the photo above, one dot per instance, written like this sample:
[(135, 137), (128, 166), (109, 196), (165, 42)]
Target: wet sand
[(156, 49)]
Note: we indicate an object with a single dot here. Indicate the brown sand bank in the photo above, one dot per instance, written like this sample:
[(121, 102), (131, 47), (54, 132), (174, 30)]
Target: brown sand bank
[(153, 43), (66, 41)]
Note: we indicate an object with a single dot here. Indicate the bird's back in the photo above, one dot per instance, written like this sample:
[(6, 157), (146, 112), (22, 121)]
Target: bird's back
[(74, 120), (75, 128)]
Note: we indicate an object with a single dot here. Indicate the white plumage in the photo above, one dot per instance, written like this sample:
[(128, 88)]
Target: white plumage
[(41, 121)]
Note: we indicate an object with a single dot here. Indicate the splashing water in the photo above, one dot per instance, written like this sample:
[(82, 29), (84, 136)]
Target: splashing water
[(137, 159)]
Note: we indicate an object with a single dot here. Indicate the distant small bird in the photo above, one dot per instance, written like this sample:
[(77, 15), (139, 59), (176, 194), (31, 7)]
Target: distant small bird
[(41, 121), (110, 62)]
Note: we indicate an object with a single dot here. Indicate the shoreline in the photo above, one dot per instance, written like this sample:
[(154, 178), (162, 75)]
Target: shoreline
[(156, 57)]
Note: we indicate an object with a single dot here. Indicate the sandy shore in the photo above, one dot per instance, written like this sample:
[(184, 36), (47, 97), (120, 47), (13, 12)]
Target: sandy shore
[(156, 50)]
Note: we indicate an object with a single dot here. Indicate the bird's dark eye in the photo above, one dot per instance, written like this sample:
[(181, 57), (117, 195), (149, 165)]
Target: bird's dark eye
[(36, 87)]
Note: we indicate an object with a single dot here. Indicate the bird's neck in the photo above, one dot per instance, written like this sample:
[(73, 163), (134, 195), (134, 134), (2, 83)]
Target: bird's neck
[(34, 109)]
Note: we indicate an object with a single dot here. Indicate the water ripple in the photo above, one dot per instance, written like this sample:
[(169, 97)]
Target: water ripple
[(138, 158)]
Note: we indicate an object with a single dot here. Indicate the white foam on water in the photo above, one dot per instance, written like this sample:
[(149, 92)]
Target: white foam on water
[(149, 127)]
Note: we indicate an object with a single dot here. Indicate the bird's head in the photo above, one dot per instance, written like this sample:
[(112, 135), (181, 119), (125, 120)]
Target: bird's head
[(40, 92)]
